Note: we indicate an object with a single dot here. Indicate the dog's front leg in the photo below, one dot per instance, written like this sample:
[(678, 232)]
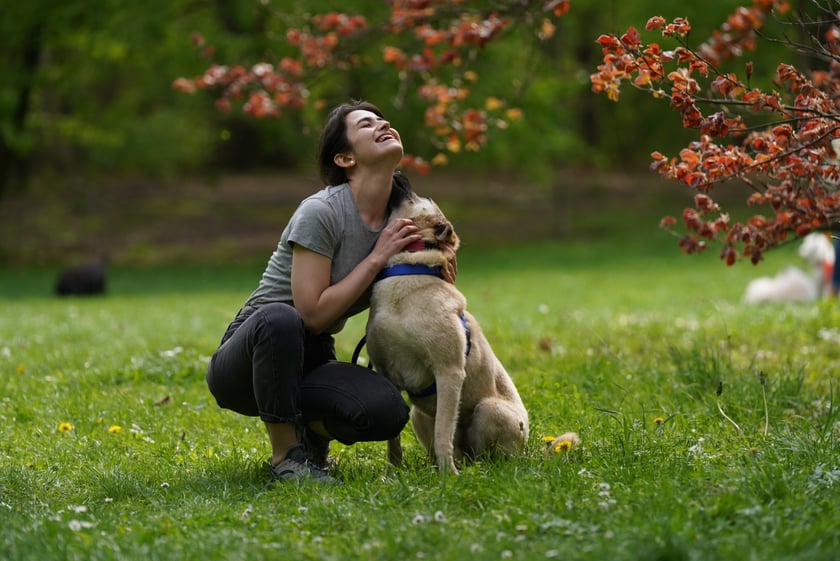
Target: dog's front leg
[(446, 418)]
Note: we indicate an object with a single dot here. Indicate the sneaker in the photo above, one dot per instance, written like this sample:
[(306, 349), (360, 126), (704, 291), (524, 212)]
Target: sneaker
[(316, 446), (297, 465)]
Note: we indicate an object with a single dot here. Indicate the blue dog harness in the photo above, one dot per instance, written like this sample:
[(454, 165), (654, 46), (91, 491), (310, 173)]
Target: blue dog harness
[(402, 269)]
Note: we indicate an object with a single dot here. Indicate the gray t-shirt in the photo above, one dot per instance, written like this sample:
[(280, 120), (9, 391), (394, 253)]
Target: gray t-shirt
[(327, 223)]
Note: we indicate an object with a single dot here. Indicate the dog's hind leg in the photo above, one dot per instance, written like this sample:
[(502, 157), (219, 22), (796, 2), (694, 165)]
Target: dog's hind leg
[(498, 426), (395, 453)]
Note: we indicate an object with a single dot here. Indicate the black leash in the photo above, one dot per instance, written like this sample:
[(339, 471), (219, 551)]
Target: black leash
[(358, 351)]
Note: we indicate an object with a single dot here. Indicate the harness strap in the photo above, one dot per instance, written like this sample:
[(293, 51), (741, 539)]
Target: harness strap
[(469, 335), (425, 392)]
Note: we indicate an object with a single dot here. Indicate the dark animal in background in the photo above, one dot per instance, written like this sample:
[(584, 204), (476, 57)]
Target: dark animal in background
[(82, 280)]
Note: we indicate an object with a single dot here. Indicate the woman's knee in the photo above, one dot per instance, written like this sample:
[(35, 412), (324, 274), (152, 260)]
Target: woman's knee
[(280, 318), (355, 403), (387, 415)]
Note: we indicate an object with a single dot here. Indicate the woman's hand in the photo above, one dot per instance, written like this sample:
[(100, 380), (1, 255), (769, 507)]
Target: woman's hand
[(394, 237)]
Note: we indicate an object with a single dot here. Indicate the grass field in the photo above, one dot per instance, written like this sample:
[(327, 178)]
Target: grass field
[(112, 448)]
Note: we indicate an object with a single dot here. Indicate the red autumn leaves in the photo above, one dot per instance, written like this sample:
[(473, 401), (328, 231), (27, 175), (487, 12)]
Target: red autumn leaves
[(425, 42), (785, 154)]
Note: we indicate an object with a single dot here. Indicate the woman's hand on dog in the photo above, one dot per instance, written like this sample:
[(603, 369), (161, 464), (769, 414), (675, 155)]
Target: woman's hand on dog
[(394, 237)]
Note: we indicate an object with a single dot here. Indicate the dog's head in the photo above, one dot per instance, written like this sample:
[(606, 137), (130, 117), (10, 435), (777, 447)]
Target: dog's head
[(434, 227)]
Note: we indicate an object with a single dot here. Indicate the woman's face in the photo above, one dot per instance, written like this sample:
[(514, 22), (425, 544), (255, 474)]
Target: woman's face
[(372, 140)]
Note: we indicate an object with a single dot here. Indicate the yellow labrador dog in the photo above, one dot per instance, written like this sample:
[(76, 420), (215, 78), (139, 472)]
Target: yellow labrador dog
[(420, 336)]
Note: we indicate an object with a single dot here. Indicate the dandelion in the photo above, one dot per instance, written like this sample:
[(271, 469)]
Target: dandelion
[(658, 421), (563, 446), (64, 426), (114, 429), (21, 368)]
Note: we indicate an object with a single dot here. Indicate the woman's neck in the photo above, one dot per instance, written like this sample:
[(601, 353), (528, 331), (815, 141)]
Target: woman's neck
[(371, 192)]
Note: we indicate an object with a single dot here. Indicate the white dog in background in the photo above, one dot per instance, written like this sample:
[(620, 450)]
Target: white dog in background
[(793, 284)]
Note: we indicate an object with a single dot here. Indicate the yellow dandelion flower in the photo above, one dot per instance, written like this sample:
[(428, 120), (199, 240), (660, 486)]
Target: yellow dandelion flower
[(514, 114), (470, 76), (548, 439), (563, 446), (114, 429), (658, 421), (64, 426), (21, 368)]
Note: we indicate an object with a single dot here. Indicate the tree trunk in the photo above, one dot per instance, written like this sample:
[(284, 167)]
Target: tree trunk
[(13, 163)]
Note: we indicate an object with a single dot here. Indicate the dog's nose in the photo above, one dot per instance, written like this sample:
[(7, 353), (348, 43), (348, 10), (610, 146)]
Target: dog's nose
[(442, 231)]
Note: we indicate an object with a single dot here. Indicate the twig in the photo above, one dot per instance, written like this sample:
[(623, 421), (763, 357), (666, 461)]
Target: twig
[(725, 416)]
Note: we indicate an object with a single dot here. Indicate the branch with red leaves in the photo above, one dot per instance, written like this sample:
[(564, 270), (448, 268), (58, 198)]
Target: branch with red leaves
[(791, 164), (425, 42)]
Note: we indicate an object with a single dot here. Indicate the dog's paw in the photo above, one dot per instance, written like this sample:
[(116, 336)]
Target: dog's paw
[(446, 466)]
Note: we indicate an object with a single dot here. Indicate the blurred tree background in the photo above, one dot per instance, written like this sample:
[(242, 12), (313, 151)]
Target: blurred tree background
[(86, 102)]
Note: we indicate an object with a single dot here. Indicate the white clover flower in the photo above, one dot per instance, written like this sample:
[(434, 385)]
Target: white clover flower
[(172, 352), (697, 449), (79, 525)]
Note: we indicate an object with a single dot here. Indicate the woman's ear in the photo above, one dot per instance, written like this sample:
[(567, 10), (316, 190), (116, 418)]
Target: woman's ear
[(344, 160)]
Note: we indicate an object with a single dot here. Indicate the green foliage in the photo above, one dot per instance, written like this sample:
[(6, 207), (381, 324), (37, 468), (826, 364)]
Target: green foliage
[(100, 95), (625, 347)]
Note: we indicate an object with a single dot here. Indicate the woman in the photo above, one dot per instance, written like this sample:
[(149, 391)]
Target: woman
[(277, 358)]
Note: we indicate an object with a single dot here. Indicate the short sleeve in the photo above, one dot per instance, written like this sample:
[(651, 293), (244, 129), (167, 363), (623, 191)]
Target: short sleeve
[(315, 227)]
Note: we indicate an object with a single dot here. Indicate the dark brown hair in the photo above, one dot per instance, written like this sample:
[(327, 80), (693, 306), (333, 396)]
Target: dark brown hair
[(334, 141)]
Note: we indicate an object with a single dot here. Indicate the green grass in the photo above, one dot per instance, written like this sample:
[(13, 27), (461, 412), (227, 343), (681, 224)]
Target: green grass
[(601, 339)]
